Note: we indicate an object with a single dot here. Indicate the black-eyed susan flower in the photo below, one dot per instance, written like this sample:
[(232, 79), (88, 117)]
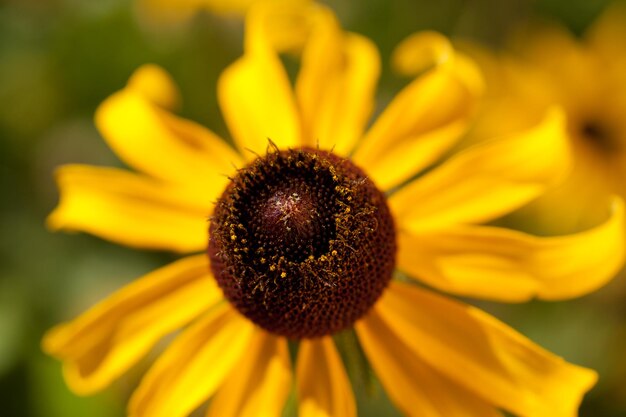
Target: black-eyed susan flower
[(547, 65), (305, 232)]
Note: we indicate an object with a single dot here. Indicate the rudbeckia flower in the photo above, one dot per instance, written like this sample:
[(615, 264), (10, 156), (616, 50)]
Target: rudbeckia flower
[(547, 65), (305, 233)]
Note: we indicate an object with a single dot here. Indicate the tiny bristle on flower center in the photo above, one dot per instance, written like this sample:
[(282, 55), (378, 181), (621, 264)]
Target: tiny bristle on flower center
[(302, 243)]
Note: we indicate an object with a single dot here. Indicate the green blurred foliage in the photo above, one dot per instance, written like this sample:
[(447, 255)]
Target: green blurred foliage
[(60, 58)]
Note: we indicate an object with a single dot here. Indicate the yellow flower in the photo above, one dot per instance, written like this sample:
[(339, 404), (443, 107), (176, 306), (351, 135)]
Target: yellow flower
[(302, 242), (586, 77)]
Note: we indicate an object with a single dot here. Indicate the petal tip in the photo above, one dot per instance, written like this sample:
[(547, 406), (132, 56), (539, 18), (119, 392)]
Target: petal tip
[(51, 341), (420, 51), (79, 384), (156, 85)]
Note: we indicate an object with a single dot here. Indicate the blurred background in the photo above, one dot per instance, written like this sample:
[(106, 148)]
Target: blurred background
[(60, 58)]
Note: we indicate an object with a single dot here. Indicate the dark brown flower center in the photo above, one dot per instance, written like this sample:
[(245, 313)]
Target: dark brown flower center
[(600, 134), (302, 243)]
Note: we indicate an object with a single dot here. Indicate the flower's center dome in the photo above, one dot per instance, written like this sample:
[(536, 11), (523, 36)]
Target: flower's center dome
[(302, 243)]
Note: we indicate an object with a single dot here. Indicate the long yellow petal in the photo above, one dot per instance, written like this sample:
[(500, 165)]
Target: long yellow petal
[(415, 388), (255, 94), (194, 366), (336, 85), (506, 265), (261, 384), (130, 209), (483, 355), (323, 386), (162, 145), (104, 342), (421, 123), (487, 180)]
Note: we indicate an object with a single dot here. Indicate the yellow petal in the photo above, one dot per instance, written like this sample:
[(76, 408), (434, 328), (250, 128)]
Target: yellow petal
[(254, 93), (421, 123), (565, 62), (517, 96), (420, 51), (415, 388), (487, 180), (157, 143), (323, 386), (483, 355), (547, 45), (336, 85), (129, 209), (156, 85), (261, 384), (258, 106), (577, 203), (194, 366), (607, 35), (506, 265), (105, 341)]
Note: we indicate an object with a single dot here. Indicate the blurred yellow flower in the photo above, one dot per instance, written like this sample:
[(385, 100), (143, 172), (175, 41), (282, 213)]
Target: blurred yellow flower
[(547, 65), (303, 243)]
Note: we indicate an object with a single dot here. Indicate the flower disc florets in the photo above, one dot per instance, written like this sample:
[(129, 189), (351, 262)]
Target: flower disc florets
[(302, 243)]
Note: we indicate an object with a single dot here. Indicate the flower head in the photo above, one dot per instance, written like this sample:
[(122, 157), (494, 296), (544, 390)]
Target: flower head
[(305, 232), (548, 65), (302, 243)]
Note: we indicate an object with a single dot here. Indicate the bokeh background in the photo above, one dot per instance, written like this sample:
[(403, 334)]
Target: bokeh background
[(60, 58)]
